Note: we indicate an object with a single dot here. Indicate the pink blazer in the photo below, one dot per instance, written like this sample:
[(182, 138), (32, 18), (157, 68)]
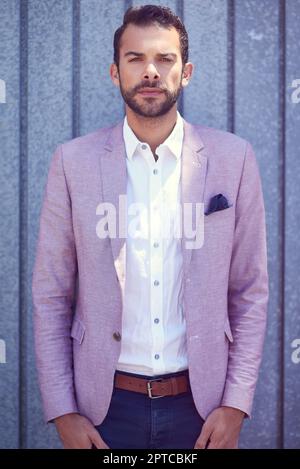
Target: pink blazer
[(78, 278)]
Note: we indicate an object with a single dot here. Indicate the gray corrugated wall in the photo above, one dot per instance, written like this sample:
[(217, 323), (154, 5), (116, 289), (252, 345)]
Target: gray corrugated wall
[(54, 59)]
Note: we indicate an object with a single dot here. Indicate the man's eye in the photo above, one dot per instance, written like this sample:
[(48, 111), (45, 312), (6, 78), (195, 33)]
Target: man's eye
[(163, 59)]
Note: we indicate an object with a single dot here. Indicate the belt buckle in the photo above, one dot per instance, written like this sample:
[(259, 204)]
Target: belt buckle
[(150, 389)]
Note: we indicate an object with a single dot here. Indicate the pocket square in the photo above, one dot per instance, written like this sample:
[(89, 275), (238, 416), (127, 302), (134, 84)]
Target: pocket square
[(217, 202)]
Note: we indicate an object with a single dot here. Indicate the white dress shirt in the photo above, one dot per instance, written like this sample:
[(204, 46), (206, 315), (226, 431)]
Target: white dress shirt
[(153, 323)]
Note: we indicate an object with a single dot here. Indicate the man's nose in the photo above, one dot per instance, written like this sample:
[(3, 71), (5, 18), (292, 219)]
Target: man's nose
[(151, 72)]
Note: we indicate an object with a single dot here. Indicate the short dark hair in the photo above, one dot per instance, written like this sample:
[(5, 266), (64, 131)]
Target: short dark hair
[(146, 15)]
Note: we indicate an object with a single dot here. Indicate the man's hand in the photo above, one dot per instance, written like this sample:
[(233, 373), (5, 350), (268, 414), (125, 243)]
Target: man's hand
[(221, 429), (77, 432)]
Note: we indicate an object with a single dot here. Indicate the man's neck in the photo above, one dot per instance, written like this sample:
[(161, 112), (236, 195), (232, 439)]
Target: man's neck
[(153, 131)]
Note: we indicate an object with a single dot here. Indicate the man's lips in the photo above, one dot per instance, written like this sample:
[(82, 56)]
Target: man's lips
[(150, 92)]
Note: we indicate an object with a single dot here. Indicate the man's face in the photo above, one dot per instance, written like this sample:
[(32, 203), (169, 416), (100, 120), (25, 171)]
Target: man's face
[(150, 58)]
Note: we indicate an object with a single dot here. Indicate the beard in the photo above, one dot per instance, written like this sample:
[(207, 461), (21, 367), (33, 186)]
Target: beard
[(150, 107)]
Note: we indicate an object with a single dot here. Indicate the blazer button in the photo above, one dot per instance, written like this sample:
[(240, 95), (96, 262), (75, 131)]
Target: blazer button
[(117, 336)]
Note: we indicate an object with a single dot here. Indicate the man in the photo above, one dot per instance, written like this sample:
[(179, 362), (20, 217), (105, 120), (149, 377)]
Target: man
[(145, 340)]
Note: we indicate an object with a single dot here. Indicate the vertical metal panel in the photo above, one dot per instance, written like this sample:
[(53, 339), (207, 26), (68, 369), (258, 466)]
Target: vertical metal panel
[(49, 123), (9, 226), (101, 104), (257, 118), (205, 98), (292, 240)]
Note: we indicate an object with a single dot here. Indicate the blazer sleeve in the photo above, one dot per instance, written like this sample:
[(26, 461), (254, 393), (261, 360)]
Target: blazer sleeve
[(248, 290), (53, 284)]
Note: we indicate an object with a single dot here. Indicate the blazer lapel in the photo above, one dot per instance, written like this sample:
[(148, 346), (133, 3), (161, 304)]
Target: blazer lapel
[(114, 184), (193, 175)]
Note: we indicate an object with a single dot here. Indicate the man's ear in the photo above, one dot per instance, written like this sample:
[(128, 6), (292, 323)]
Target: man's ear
[(187, 73), (114, 74)]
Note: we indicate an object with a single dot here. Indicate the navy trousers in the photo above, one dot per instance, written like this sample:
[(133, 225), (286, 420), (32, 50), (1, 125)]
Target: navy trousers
[(134, 420)]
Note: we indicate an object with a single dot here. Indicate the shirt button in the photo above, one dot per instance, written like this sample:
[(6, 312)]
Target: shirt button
[(156, 320), (156, 283), (155, 245), (156, 356), (144, 147), (155, 171)]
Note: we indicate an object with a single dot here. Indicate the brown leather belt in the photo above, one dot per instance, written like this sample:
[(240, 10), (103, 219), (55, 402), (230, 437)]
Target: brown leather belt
[(156, 387)]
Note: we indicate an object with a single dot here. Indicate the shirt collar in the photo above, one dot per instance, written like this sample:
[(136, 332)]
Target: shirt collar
[(173, 141)]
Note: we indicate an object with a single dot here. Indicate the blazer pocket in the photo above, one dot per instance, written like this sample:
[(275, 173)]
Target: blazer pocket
[(227, 330), (77, 330), (209, 216)]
